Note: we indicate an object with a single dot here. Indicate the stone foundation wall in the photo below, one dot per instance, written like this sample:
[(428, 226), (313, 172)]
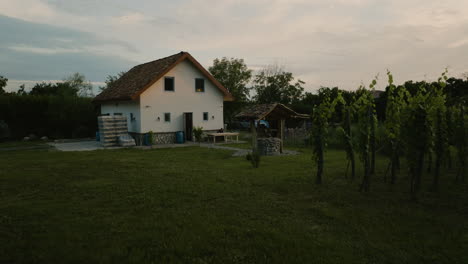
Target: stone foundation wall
[(164, 138), (158, 138), (269, 146)]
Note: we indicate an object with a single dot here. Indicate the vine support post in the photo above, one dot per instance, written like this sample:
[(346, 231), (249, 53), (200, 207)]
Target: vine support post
[(253, 129), (282, 122)]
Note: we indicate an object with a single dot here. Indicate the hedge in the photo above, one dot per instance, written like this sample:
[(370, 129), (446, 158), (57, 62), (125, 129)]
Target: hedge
[(51, 116)]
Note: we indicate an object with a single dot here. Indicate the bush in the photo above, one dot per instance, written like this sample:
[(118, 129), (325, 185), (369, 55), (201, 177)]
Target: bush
[(198, 132), (4, 130), (254, 158), (51, 116)]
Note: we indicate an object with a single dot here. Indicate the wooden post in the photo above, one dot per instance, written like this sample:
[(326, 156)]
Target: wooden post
[(254, 135), (282, 121)]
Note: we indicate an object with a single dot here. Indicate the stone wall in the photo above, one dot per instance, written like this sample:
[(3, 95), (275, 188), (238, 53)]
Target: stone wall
[(164, 138), (158, 138), (269, 146)]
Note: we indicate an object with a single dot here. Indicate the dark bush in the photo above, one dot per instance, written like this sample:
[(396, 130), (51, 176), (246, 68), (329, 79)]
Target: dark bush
[(4, 130), (51, 116), (254, 158)]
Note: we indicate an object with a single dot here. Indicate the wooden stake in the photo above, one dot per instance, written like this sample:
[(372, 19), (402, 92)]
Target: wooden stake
[(282, 121), (254, 135)]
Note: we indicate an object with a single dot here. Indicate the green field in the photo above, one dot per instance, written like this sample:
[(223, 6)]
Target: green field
[(201, 205)]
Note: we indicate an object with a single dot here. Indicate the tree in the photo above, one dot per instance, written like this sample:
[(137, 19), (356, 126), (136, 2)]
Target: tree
[(78, 82), (58, 89), (22, 90), (274, 85), (234, 75), (110, 79), (3, 83), (74, 85)]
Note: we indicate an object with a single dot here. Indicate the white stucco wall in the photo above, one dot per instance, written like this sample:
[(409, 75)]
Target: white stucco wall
[(126, 108), (154, 102)]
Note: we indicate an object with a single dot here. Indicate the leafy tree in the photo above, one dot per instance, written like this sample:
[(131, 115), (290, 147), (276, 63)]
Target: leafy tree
[(234, 75), (74, 85), (307, 102), (456, 90), (21, 90), (3, 83), (274, 85), (110, 79), (78, 82), (58, 89)]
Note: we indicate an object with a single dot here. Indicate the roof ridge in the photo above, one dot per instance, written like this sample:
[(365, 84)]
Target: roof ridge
[(167, 57)]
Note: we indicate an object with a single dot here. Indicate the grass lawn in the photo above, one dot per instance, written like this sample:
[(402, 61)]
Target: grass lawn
[(238, 145), (201, 205), (22, 144)]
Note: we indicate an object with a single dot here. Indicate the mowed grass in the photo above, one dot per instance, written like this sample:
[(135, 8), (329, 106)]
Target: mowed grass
[(201, 205)]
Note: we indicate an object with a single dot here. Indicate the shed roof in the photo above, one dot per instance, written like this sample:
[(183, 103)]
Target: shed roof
[(141, 77), (270, 111)]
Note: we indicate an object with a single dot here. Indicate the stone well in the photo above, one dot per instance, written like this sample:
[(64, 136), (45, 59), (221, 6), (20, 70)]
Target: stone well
[(269, 146)]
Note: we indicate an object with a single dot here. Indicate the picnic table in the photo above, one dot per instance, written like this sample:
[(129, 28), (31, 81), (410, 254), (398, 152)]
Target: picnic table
[(226, 135)]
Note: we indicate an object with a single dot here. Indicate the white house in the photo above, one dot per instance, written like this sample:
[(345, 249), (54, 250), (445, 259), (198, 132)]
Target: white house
[(165, 96)]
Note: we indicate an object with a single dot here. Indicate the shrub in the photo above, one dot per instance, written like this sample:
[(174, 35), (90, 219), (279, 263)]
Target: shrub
[(198, 132), (254, 158), (150, 138), (51, 116)]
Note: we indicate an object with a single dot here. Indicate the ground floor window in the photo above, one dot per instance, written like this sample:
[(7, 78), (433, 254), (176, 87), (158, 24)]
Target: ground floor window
[(205, 116), (167, 117)]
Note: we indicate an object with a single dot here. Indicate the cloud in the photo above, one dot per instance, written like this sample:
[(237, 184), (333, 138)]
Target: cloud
[(24, 48), (324, 42), (32, 51)]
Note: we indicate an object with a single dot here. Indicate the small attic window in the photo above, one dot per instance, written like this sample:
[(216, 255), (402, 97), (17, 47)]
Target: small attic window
[(200, 85), (169, 84)]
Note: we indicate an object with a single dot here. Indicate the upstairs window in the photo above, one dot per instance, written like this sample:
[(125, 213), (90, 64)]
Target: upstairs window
[(205, 116), (167, 117), (169, 84), (199, 85)]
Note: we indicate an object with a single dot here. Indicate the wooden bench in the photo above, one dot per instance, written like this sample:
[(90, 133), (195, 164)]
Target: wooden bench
[(225, 135)]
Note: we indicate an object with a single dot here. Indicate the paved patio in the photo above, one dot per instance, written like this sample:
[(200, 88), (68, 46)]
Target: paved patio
[(77, 146), (95, 145)]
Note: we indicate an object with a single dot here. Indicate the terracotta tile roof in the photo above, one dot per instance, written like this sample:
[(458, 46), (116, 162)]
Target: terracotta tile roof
[(141, 77), (272, 111)]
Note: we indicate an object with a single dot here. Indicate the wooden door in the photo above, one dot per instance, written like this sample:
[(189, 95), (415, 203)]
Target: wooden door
[(188, 126)]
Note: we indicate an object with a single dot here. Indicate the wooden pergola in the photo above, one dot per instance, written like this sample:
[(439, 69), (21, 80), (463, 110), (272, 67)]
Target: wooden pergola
[(273, 112)]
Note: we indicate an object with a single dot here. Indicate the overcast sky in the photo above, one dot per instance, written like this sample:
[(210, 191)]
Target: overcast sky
[(323, 42)]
